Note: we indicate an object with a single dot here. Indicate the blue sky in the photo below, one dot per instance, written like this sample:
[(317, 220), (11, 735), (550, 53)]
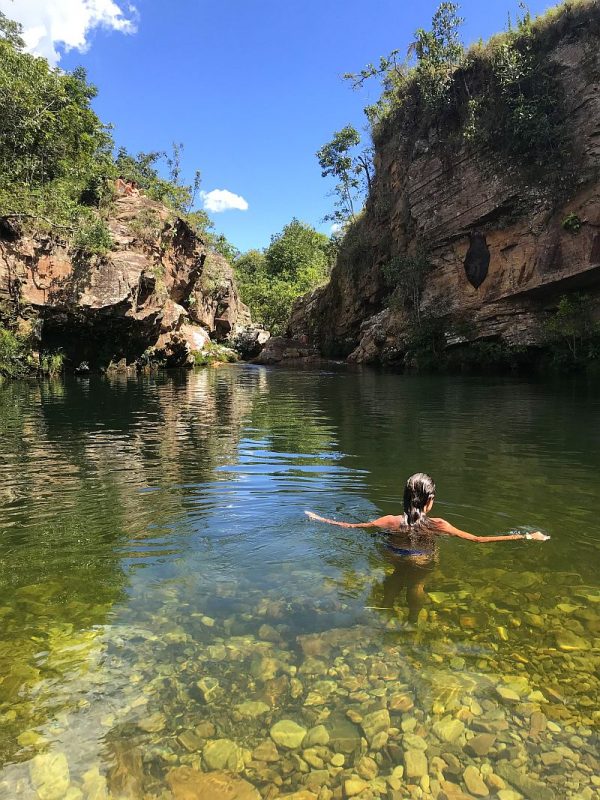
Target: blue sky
[(252, 89)]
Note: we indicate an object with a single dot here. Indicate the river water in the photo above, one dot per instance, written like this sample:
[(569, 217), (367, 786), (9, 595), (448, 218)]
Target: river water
[(173, 625)]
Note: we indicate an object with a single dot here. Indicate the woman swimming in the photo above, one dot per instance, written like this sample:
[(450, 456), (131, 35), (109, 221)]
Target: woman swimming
[(419, 494)]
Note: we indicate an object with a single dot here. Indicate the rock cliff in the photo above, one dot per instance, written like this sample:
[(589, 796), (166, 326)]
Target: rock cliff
[(158, 295), (501, 246)]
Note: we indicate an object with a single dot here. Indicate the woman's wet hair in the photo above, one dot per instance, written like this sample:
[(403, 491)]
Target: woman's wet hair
[(419, 490)]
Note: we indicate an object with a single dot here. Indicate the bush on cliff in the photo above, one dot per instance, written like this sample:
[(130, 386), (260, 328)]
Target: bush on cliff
[(503, 95), (573, 334), (13, 354)]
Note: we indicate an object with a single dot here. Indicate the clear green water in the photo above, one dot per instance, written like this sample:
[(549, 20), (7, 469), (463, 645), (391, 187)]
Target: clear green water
[(157, 573)]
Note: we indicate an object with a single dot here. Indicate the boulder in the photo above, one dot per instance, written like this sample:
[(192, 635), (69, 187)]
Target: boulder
[(155, 296), (279, 349)]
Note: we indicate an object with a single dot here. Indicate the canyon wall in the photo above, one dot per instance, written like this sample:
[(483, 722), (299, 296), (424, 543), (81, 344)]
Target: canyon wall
[(502, 246)]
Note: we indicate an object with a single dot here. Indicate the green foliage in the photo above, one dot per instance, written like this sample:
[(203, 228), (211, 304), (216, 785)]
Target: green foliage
[(52, 144), (13, 354), (296, 261), (269, 297), (147, 226), (518, 107), (56, 156), (51, 363), (11, 32), (421, 83), (143, 169), (426, 345), (405, 276), (504, 96), (571, 223), (572, 343), (438, 52), (214, 353), (299, 253), (488, 356), (220, 244), (428, 351), (338, 159), (92, 236), (573, 336)]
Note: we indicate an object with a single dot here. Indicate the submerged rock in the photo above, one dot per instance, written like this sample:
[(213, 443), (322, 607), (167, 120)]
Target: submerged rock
[(288, 734), (252, 708), (209, 689), (374, 723), (532, 789), (481, 744), (415, 763), (354, 786), (189, 784), (567, 640), (190, 741), (95, 785), (319, 735), (154, 723), (474, 782), (221, 754), (449, 729), (344, 736), (49, 773), (265, 751)]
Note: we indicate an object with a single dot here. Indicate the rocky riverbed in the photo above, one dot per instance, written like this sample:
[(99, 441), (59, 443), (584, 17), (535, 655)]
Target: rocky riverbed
[(247, 694)]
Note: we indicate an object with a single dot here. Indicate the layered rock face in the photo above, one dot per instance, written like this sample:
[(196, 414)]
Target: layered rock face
[(500, 249), (159, 294)]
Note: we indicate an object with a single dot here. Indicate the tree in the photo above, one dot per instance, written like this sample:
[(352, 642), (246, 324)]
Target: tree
[(573, 331), (144, 169), (221, 244), (296, 261), (338, 159), (405, 277), (57, 157), (52, 144), (12, 32), (438, 52), (298, 253), (430, 62)]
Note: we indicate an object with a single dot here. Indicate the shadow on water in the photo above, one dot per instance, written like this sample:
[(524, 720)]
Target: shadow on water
[(162, 591)]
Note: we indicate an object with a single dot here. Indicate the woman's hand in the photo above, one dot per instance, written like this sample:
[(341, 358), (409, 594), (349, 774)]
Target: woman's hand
[(538, 536), (312, 515)]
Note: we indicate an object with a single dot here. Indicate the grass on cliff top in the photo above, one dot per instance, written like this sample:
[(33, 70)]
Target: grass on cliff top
[(503, 94)]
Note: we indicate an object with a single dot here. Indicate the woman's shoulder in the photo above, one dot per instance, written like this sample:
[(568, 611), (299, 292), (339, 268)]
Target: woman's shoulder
[(391, 521), (438, 523)]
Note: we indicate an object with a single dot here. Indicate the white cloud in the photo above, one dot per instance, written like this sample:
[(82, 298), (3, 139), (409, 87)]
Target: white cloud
[(53, 26), (336, 227), (223, 200)]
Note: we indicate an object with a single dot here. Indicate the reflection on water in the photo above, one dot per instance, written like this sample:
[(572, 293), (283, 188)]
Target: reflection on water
[(172, 624)]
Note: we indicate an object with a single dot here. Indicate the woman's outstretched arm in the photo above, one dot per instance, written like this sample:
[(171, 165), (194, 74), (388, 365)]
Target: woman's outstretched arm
[(389, 521), (445, 527)]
